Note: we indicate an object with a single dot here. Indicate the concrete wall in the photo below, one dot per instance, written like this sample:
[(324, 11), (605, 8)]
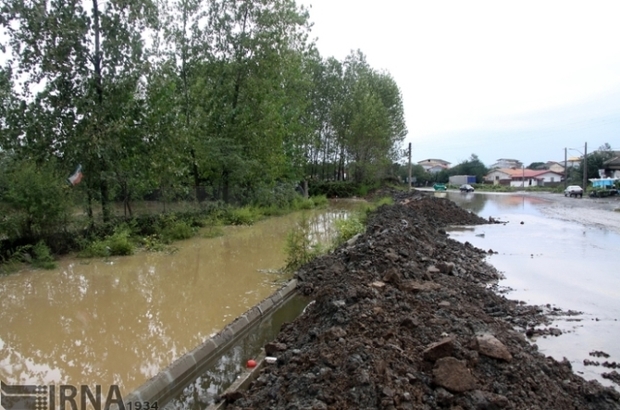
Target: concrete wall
[(169, 382)]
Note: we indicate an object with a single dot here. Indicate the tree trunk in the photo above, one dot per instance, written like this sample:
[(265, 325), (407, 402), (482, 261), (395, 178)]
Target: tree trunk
[(103, 183)]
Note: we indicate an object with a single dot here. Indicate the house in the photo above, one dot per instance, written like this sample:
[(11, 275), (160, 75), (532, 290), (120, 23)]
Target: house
[(523, 177), (572, 162), (612, 167), (507, 163), (434, 165), (555, 166)]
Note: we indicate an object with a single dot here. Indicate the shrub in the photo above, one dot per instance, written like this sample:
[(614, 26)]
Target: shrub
[(177, 230), (320, 200), (118, 243), (242, 216), (348, 228), (42, 257), (300, 248), (36, 200)]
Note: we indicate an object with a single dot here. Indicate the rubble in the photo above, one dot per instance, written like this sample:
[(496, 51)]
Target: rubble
[(407, 318)]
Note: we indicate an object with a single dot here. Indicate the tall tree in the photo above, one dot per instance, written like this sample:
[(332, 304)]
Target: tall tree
[(79, 68)]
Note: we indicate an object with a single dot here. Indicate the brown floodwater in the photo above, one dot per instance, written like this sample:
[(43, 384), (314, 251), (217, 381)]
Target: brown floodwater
[(563, 263), (123, 319)]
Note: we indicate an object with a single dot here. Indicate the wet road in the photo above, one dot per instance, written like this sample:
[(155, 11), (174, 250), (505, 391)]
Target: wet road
[(557, 258)]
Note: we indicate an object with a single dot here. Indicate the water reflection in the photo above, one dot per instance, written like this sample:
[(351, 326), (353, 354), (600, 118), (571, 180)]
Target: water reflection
[(220, 374), (120, 321), (553, 261)]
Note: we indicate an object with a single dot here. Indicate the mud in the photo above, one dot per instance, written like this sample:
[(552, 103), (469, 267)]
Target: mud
[(407, 318)]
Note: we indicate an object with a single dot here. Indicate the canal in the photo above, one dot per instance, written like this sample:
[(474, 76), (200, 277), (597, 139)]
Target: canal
[(123, 319)]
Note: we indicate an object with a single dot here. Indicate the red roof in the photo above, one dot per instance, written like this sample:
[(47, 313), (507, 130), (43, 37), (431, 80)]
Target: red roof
[(527, 173)]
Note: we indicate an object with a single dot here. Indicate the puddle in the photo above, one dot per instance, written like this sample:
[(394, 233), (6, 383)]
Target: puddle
[(549, 261)]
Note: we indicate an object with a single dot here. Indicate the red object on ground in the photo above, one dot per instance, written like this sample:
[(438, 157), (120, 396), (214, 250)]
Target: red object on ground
[(251, 363)]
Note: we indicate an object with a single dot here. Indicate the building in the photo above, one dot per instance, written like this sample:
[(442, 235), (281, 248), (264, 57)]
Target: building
[(434, 165), (555, 166), (612, 167), (523, 177), (507, 163)]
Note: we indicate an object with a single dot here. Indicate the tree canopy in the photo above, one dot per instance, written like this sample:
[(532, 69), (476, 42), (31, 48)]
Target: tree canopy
[(227, 96)]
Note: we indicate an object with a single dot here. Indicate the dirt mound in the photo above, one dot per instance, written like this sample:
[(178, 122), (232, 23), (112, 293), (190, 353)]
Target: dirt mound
[(404, 318)]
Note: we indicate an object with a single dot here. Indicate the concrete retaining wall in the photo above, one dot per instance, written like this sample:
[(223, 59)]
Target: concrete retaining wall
[(169, 382)]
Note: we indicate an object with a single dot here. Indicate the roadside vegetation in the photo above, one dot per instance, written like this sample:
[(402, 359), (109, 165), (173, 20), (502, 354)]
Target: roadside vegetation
[(213, 113), (302, 247)]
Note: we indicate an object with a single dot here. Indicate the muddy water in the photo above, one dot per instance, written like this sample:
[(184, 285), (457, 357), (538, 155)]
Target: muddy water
[(121, 320), (558, 262)]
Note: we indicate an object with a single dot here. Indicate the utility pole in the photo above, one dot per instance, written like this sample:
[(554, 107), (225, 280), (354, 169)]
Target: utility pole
[(585, 168), (565, 168), (409, 166)]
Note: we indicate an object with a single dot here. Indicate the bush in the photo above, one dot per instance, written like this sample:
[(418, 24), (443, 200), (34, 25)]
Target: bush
[(177, 230), (42, 257), (36, 200), (117, 244), (333, 189), (242, 216), (320, 200), (300, 249), (348, 228)]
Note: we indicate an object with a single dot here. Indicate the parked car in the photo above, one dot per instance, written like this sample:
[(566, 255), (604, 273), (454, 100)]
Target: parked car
[(466, 188), (573, 190)]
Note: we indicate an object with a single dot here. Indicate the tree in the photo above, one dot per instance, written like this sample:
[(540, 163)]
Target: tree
[(595, 161), (86, 64), (471, 166)]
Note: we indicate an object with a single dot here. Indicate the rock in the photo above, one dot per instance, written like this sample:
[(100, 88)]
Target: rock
[(413, 286), (378, 284), (439, 349), (432, 269), (271, 349), (453, 375), (444, 303), (443, 397), (489, 346), (445, 267), (484, 400)]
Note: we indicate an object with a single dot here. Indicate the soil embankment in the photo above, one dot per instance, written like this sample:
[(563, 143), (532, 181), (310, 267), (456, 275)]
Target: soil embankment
[(406, 318)]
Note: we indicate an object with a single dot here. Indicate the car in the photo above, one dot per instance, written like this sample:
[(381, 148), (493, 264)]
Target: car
[(466, 188), (439, 187), (573, 190)]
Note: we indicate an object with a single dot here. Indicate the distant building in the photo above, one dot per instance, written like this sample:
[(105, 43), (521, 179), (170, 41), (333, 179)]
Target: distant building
[(612, 167), (507, 163), (434, 165), (555, 166), (522, 177)]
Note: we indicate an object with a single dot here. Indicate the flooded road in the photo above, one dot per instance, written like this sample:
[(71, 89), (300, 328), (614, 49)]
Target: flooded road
[(549, 260), (119, 321)]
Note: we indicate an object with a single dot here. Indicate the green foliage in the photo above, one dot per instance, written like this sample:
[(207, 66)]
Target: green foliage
[(35, 200), (320, 200), (300, 248), (349, 227), (177, 231), (246, 215), (42, 256), (119, 243), (333, 189)]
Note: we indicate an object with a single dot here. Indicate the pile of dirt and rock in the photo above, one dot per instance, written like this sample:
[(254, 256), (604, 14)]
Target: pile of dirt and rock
[(406, 318)]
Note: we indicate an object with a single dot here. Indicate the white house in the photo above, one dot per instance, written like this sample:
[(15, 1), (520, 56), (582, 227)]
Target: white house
[(434, 165), (507, 163), (522, 177)]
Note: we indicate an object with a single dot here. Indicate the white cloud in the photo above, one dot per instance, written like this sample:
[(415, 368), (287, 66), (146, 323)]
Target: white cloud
[(463, 66)]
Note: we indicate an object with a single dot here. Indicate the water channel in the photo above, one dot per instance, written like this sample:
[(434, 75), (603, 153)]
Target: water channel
[(123, 319), (563, 263)]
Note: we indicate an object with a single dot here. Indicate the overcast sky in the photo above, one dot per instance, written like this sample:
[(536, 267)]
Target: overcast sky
[(501, 79)]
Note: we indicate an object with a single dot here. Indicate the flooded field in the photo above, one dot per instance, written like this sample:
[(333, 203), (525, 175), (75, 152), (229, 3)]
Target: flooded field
[(555, 259), (121, 320)]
